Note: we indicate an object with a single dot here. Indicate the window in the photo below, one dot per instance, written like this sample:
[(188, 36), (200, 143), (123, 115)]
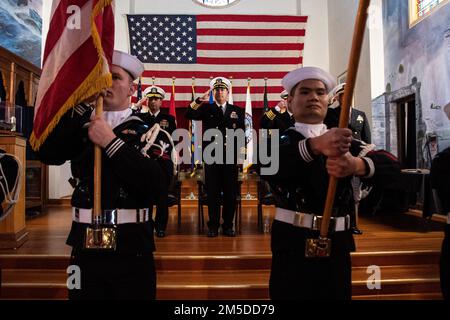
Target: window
[(216, 3), (420, 9)]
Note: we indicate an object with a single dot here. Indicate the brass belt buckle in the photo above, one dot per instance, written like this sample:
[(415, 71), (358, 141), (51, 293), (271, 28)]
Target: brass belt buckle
[(318, 248), (101, 238)]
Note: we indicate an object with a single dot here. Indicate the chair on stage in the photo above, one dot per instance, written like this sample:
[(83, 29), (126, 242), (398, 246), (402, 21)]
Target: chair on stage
[(174, 196), (203, 200), (265, 197)]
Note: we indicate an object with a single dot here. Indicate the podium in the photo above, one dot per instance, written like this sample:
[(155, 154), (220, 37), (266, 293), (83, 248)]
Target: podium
[(12, 229)]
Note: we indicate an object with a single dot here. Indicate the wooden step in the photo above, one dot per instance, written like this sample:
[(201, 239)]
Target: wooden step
[(33, 284), (406, 296), (404, 279), (389, 258), (213, 262), (162, 262), (33, 261), (45, 284), (225, 261), (207, 285), (406, 282)]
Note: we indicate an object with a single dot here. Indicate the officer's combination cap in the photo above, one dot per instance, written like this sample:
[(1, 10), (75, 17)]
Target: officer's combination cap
[(220, 83), (154, 91)]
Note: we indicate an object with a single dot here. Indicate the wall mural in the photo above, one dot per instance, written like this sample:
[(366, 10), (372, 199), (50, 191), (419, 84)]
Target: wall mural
[(417, 58), (21, 28)]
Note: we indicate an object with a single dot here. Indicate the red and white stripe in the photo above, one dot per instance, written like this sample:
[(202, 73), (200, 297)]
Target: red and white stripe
[(236, 47), (69, 58)]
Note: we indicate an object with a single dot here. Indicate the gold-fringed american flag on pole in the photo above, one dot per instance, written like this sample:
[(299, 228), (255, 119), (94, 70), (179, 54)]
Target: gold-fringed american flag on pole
[(77, 55), (207, 46)]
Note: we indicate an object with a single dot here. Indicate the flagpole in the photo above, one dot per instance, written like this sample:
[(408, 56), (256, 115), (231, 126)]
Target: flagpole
[(97, 212), (211, 95), (230, 96), (193, 137), (266, 104), (172, 107), (248, 196)]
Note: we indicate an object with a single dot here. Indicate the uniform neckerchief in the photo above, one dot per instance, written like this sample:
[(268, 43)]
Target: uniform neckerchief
[(114, 118), (310, 130)]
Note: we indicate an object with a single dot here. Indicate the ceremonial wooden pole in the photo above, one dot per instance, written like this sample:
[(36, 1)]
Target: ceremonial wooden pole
[(352, 71), (97, 212), (98, 168), (99, 236)]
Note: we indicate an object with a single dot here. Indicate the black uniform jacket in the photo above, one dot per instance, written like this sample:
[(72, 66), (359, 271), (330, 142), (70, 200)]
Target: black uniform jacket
[(273, 119), (165, 121), (301, 184), (358, 123), (130, 179), (213, 118)]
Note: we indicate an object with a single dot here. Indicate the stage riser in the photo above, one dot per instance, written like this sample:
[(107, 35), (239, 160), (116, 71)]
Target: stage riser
[(394, 259), (225, 284), (34, 262), (228, 263), (426, 291), (413, 296)]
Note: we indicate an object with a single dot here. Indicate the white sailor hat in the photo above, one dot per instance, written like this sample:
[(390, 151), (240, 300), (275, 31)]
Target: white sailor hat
[(154, 91), (220, 82), (284, 94), (292, 78), (338, 89), (129, 63)]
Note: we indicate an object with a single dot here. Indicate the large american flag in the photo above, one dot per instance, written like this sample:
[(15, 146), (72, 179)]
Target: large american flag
[(205, 46)]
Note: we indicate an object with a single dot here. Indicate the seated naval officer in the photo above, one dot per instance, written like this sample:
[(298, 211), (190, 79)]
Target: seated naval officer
[(219, 177), (135, 171), (154, 96), (309, 153)]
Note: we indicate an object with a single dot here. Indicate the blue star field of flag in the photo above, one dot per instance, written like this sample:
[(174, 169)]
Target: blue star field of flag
[(163, 38)]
